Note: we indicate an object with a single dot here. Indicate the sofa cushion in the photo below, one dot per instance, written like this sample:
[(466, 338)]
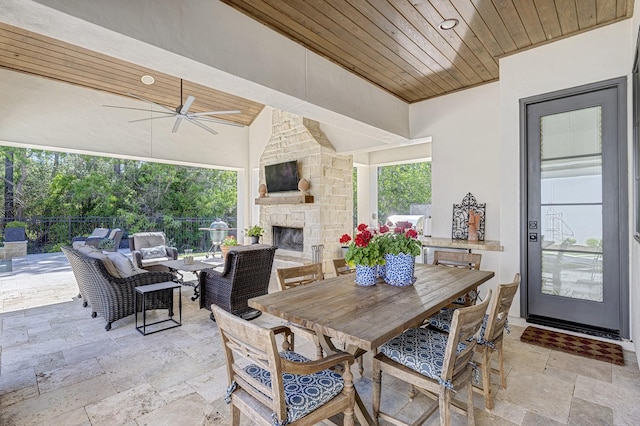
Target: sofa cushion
[(123, 265), (97, 254), (99, 233), (148, 239), (153, 252), (151, 262)]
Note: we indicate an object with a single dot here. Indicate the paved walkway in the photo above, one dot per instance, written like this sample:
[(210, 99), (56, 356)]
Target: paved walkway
[(58, 366)]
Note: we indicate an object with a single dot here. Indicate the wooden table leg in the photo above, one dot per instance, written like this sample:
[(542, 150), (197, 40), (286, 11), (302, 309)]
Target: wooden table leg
[(361, 412)]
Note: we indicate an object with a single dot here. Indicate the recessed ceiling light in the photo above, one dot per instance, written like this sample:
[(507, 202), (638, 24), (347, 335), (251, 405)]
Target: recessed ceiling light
[(147, 79), (448, 24)]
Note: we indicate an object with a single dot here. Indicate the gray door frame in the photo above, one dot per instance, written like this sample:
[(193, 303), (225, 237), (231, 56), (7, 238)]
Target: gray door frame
[(620, 84)]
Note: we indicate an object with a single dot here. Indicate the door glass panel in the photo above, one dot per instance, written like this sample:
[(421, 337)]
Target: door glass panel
[(572, 274), (576, 228), (571, 180), (571, 133), (571, 204)]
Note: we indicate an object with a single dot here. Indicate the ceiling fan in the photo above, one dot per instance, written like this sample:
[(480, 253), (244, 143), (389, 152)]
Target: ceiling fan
[(181, 112)]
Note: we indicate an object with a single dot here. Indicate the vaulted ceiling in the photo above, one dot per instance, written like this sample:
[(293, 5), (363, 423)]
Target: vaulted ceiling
[(25, 51), (398, 45)]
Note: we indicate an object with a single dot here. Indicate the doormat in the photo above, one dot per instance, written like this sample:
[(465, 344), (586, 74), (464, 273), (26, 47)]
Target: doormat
[(588, 348)]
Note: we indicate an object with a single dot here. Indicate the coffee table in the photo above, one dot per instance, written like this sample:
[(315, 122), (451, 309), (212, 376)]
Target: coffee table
[(178, 266)]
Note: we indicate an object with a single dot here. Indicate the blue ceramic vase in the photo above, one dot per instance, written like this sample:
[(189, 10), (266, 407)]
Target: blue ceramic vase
[(400, 269), (366, 275)]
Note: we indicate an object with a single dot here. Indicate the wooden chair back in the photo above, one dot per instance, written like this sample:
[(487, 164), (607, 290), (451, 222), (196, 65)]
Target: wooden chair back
[(341, 267), (465, 324), (457, 259), (246, 343), (499, 309), (456, 372), (299, 275)]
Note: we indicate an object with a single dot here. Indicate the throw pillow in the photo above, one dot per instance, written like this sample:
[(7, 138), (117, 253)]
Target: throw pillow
[(123, 264), (153, 252)]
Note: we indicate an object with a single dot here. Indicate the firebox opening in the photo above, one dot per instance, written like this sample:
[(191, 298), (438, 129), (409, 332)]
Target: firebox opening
[(288, 238)]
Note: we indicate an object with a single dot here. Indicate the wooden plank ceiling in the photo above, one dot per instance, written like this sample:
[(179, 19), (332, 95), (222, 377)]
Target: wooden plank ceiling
[(28, 52), (398, 45), (395, 44)]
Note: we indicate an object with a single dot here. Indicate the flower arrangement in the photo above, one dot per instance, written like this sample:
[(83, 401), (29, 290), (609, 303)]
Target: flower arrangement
[(400, 241), (365, 249), (229, 241)]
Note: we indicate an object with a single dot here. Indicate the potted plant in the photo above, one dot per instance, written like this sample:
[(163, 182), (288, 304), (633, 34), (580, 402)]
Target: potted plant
[(400, 250), (228, 242), (365, 253), (255, 232), (15, 231)]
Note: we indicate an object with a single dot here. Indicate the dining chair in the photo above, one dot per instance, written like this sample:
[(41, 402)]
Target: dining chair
[(299, 275), (296, 276), (434, 363), (341, 267), (491, 335), (280, 388), (460, 260)]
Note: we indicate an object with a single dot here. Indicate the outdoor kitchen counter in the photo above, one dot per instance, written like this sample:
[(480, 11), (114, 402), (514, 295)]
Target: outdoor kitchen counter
[(488, 245)]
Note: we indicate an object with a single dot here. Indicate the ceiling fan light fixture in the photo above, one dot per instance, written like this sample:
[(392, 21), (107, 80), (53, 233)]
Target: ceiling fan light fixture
[(147, 79), (448, 24)]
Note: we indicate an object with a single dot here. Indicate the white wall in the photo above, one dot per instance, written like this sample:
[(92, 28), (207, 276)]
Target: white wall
[(586, 58), (465, 132)]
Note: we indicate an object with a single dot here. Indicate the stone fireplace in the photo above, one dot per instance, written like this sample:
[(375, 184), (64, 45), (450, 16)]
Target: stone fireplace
[(330, 175)]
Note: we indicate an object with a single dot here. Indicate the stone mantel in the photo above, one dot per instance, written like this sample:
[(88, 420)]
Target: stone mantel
[(287, 199), (487, 245)]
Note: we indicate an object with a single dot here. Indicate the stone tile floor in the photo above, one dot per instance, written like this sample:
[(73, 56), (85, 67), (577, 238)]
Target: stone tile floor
[(58, 366)]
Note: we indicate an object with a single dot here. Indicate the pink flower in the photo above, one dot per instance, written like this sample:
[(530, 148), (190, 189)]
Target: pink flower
[(398, 230), (384, 228), (345, 239), (411, 233), (362, 227)]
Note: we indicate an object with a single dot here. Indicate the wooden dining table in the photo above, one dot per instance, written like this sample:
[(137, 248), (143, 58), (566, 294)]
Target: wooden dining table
[(366, 317)]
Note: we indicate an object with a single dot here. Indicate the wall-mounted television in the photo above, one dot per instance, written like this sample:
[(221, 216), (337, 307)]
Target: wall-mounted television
[(282, 176)]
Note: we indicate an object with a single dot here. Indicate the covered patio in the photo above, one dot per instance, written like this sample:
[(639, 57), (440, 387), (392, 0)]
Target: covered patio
[(59, 367)]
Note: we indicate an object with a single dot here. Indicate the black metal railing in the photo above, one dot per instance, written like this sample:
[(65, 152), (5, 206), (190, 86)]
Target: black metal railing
[(47, 234)]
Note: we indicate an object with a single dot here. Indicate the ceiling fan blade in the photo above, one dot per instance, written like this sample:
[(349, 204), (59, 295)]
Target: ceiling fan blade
[(151, 102), (138, 109), (187, 105), (198, 114), (150, 118), (208, 129), (177, 123), (217, 120)]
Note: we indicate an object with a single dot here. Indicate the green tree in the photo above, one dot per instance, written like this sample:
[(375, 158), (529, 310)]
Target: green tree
[(401, 185)]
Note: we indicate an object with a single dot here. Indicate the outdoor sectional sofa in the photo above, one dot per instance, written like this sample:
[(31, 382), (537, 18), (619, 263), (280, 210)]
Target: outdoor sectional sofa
[(107, 282)]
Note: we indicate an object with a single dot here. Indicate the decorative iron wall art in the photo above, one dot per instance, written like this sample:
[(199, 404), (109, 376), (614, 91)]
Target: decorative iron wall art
[(468, 216)]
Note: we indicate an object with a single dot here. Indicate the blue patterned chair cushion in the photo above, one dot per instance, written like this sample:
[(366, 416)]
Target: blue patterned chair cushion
[(303, 393), (421, 350), (442, 321)]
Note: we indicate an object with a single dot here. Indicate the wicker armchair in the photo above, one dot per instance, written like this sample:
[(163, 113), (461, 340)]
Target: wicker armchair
[(246, 274), (112, 297)]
